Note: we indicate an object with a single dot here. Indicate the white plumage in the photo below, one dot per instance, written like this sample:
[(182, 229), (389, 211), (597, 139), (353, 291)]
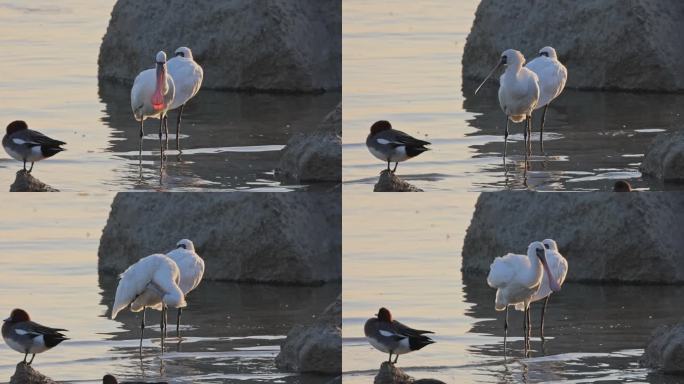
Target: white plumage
[(518, 88), (187, 76), (191, 266), (151, 282), (551, 73), (558, 267), (153, 91)]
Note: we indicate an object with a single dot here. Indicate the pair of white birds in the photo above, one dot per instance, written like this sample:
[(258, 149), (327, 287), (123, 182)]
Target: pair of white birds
[(521, 280), (160, 281), (523, 89), (166, 87)]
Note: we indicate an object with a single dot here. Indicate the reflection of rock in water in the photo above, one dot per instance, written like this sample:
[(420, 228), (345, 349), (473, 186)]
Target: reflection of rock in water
[(25, 182), (389, 182), (390, 374), (318, 156), (270, 237), (25, 374), (626, 237), (315, 347)]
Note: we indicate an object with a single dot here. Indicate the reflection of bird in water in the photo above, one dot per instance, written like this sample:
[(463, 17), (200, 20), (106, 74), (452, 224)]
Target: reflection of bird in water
[(152, 95), (151, 282), (552, 77), (518, 92), (622, 186), (26, 336), (191, 268), (559, 269), (110, 379), (187, 78), (393, 146), (393, 337), (516, 279), (24, 144)]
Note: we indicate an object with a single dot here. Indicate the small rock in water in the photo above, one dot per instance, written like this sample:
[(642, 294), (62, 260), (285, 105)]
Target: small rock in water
[(664, 159), (665, 351), (390, 374), (24, 182), (25, 374), (389, 182)]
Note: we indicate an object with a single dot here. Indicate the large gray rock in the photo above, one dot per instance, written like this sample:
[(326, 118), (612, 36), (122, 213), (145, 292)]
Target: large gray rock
[(664, 159), (317, 156), (665, 351), (25, 374), (316, 347), (621, 237), (25, 182), (389, 182), (261, 237), (268, 45), (589, 37)]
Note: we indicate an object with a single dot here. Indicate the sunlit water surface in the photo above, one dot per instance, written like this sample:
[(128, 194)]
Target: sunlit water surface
[(230, 141), (230, 332), (409, 260), (402, 63)]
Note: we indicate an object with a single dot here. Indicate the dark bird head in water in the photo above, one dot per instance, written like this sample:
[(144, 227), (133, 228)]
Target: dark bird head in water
[(622, 186), (384, 315), (109, 379), (16, 126), (379, 126)]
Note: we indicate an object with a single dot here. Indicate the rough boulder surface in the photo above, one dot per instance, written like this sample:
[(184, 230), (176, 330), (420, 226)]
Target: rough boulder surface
[(606, 237), (317, 156), (25, 374), (389, 182), (268, 45), (390, 374), (664, 159), (25, 182), (589, 37), (289, 238), (316, 347), (665, 351)]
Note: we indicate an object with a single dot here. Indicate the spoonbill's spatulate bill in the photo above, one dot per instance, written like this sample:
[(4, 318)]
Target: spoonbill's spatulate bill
[(28, 337), (151, 282), (152, 94), (187, 77), (552, 77), (393, 146), (390, 336), (516, 279), (191, 268), (518, 91), (559, 269), (26, 145)]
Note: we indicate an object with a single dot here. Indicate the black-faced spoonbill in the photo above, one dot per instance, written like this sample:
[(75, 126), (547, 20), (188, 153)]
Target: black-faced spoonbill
[(26, 336), (151, 282), (152, 95), (24, 144), (518, 92), (393, 146), (552, 77), (187, 77), (559, 269), (191, 270), (390, 336), (516, 279)]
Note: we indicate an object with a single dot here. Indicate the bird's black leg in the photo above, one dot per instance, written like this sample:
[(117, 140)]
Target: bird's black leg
[(166, 130), (390, 358), (529, 326), (32, 357), (161, 126), (142, 133), (505, 329), (395, 167), (525, 327), (142, 328), (180, 310), (24, 165), (396, 357), (178, 123), (541, 129), (541, 325), (25, 356), (31, 169), (388, 165)]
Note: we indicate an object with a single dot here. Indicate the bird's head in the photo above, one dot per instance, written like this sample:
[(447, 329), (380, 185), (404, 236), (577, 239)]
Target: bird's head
[(109, 379), (379, 126), (548, 52), (550, 244), (17, 316), (537, 249), (384, 315), (16, 126), (185, 244), (183, 52), (160, 58), (512, 57)]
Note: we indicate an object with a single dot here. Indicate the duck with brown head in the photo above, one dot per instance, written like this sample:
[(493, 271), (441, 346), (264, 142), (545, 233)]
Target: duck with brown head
[(390, 336), (27, 145), (393, 146), (28, 337)]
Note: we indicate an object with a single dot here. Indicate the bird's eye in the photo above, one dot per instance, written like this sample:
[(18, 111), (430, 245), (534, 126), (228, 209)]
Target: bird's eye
[(543, 54), (181, 54), (503, 59)]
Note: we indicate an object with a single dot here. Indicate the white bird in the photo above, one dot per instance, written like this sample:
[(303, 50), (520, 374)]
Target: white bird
[(518, 91), (191, 270), (187, 76), (559, 269), (152, 95), (153, 282), (517, 278), (552, 77)]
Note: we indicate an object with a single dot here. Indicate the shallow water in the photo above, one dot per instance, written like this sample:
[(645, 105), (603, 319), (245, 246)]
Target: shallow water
[(409, 261), (403, 64), (230, 141), (231, 332)]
